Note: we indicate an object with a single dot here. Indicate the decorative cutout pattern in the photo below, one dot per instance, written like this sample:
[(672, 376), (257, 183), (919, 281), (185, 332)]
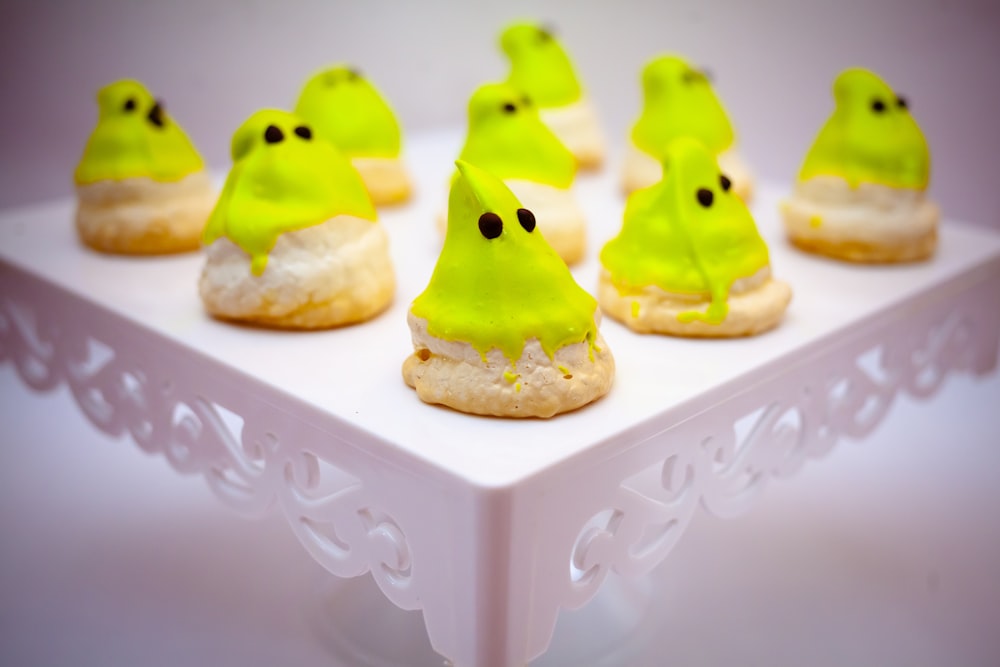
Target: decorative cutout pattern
[(213, 431), (559, 533), (722, 459)]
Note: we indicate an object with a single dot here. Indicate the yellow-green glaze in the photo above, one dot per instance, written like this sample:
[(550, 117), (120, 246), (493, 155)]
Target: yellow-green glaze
[(670, 239), (507, 138), (870, 138), (678, 101), (539, 66), (135, 138), (347, 110), (278, 185), (503, 291)]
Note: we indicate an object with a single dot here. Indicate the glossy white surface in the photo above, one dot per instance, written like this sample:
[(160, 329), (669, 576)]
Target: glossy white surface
[(886, 552), (354, 373)]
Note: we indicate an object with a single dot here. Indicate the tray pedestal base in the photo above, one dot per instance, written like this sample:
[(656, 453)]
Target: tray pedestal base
[(359, 626)]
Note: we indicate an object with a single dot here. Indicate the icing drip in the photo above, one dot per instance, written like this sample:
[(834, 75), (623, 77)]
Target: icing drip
[(500, 291), (687, 234), (282, 180)]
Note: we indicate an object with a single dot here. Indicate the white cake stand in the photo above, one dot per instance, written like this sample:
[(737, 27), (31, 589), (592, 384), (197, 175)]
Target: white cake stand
[(489, 527)]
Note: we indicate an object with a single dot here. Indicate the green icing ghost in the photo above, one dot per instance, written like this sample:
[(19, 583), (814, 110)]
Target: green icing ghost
[(539, 66), (135, 138), (283, 179), (678, 101), (871, 137), (507, 138), (497, 283), (346, 109), (687, 234)]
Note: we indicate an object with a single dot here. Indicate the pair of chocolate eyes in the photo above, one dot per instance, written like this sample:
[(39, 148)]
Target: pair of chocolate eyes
[(274, 135), (132, 105), (705, 196), (491, 226), (694, 75), (878, 106), (511, 107), (349, 75), (155, 115)]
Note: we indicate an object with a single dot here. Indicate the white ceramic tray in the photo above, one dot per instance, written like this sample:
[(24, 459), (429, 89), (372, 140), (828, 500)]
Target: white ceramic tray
[(485, 524)]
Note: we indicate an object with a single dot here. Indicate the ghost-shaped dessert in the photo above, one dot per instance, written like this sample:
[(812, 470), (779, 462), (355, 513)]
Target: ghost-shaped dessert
[(507, 138), (688, 260), (294, 241), (343, 107), (860, 195), (141, 185), (540, 67), (678, 101), (502, 328)]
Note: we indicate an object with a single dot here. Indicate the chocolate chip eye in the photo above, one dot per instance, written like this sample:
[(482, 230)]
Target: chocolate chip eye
[(490, 225), (303, 132), (273, 135), (130, 104), (544, 35), (725, 182), (155, 115), (509, 107), (705, 197), (901, 102), (526, 218), (878, 106)]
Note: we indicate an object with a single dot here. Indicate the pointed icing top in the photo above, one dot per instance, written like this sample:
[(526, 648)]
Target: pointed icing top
[(347, 110), (687, 234), (134, 138), (283, 179), (507, 138), (871, 136), (678, 101), (497, 283), (539, 65)]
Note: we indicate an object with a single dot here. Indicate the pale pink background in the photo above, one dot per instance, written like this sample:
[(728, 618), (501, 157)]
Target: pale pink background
[(884, 553), (216, 62)]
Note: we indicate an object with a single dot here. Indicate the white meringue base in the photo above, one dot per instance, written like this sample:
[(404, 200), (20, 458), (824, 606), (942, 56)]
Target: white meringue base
[(578, 129), (386, 179), (867, 223), (141, 216), (454, 374), (338, 272), (757, 303)]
